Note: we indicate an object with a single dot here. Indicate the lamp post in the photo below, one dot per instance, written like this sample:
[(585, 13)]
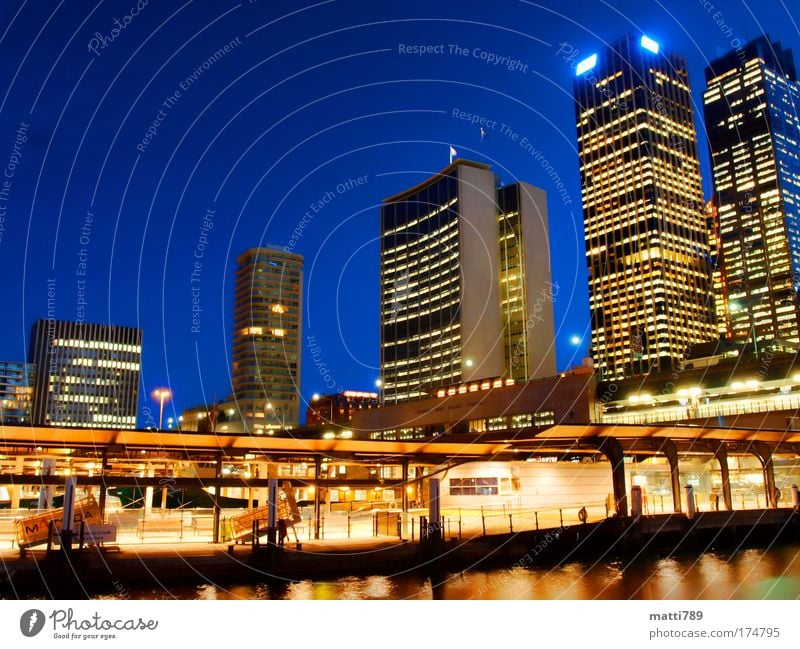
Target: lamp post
[(271, 410), (162, 395), (316, 398)]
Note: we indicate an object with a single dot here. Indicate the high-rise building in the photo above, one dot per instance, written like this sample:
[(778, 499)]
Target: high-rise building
[(751, 108), (643, 209), (16, 392), (267, 322), (465, 283), (87, 375), (718, 279)]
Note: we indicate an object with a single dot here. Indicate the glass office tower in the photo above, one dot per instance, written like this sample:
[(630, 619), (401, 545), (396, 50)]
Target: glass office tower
[(643, 209), (87, 375), (463, 269), (751, 108)]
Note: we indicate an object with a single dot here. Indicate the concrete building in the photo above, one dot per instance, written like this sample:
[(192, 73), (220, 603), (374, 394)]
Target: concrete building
[(339, 408), (87, 375), (724, 385), (267, 324), (643, 208), (484, 406), (751, 105), (465, 278), (16, 392)]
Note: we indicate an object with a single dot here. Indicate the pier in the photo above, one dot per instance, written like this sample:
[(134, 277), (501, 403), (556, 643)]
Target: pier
[(368, 506)]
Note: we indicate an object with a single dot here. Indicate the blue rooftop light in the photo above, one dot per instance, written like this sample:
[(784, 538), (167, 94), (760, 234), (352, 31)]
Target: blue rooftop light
[(587, 64), (649, 44)]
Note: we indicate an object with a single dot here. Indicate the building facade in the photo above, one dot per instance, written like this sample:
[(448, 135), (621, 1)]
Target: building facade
[(267, 328), (339, 408), (16, 392), (751, 105), (485, 406), (526, 292), (87, 375), (643, 208), (461, 272), (726, 388)]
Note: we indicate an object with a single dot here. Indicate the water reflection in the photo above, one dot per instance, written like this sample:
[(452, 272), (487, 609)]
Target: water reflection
[(749, 574)]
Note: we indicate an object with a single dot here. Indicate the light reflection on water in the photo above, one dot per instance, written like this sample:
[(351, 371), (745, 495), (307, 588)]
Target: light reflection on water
[(749, 574)]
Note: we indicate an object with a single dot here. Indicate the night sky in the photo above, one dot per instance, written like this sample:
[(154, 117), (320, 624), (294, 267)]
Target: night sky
[(134, 149)]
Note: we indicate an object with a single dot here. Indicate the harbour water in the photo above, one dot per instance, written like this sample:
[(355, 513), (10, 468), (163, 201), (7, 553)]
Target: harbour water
[(755, 573)]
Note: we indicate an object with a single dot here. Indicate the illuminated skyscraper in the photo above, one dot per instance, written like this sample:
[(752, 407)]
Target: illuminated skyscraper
[(87, 375), (643, 208), (267, 322), (751, 107), (465, 283)]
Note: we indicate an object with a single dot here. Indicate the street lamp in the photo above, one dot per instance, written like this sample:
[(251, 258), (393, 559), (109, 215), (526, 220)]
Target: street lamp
[(271, 410), (162, 395), (735, 307)]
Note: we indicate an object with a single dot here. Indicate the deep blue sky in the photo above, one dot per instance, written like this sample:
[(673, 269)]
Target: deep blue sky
[(309, 96)]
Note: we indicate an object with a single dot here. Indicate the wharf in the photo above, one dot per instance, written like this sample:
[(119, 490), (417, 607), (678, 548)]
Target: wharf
[(94, 571)]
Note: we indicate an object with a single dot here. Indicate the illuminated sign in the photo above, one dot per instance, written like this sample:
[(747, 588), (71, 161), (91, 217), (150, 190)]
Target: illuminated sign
[(649, 44), (587, 64)]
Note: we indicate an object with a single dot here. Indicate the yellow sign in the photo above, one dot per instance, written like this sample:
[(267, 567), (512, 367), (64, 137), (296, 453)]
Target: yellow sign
[(33, 529)]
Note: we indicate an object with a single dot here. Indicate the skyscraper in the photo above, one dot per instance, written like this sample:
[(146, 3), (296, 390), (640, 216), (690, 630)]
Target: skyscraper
[(751, 108), (465, 283), (643, 209), (266, 338), (87, 375)]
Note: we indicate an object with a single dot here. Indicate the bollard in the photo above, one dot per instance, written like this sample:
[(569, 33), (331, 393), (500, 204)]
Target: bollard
[(690, 504), (510, 524), (795, 497), (536, 515), (483, 521)]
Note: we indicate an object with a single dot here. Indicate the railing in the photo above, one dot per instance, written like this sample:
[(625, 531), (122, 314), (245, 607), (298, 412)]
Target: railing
[(136, 526)]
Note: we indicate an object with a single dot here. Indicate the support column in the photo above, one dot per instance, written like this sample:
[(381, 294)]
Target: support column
[(217, 509), (148, 492), (612, 449), (103, 486), (721, 453), (262, 469), (317, 495), (405, 486), (46, 492), (14, 490), (670, 451), (764, 453)]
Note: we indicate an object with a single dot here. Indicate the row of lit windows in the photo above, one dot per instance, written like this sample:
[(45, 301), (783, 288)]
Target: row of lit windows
[(96, 344), (422, 218), (431, 241), (101, 362)]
